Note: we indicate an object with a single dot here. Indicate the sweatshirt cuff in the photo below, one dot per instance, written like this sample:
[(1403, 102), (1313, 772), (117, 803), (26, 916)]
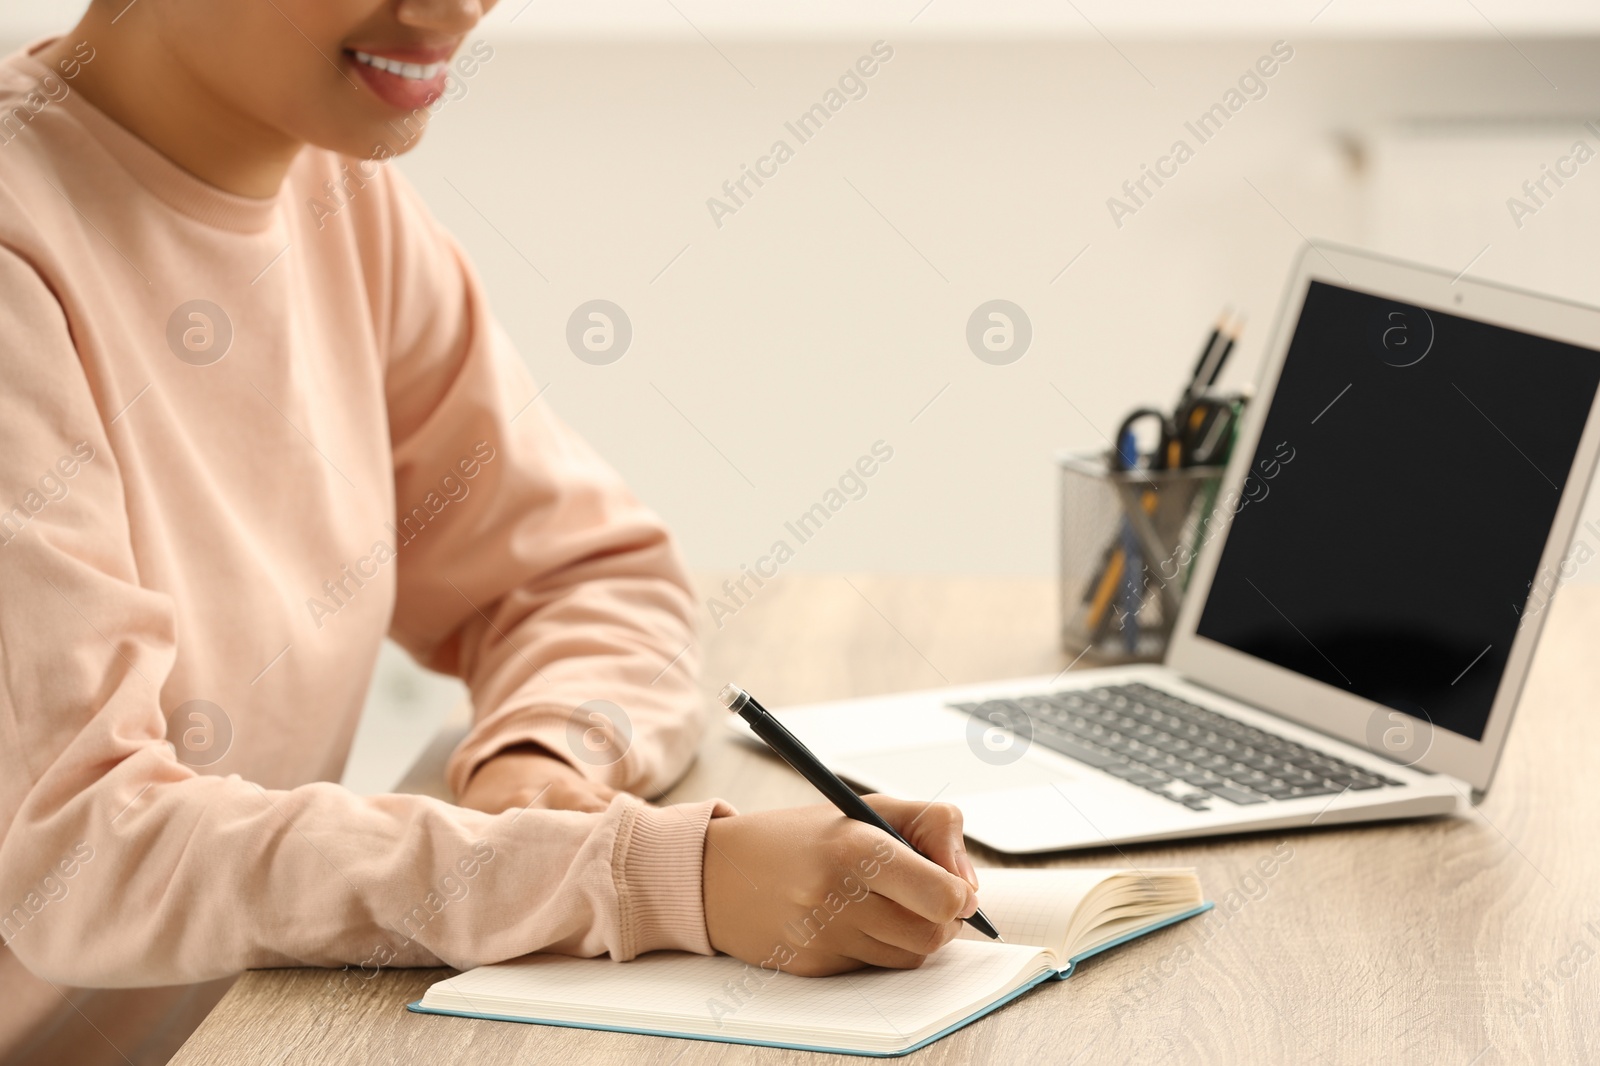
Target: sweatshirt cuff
[(656, 868)]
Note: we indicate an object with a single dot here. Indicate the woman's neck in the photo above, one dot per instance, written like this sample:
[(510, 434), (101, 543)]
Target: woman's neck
[(145, 89)]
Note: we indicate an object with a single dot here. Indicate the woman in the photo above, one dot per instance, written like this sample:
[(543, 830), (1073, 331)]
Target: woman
[(242, 437)]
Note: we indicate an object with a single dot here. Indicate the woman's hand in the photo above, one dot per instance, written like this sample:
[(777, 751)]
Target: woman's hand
[(811, 892), (528, 776)]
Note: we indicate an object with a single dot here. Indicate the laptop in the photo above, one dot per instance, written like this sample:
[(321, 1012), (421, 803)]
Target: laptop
[(1360, 620)]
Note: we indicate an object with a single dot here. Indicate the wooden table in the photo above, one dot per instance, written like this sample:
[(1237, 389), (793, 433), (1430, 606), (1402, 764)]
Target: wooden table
[(1472, 939)]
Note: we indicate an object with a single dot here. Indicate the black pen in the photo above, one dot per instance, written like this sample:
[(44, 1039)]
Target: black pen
[(841, 795), (1197, 380), (1227, 349)]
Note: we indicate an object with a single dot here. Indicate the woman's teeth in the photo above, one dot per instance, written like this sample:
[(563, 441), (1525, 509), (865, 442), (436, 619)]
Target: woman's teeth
[(414, 71)]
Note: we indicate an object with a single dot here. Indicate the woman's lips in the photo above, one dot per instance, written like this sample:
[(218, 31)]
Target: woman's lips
[(406, 85)]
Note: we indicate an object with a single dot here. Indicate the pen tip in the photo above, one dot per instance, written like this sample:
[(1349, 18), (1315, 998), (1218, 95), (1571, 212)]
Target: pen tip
[(731, 696)]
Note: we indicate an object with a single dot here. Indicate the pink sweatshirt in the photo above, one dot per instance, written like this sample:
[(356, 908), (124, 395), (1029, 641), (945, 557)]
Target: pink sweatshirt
[(237, 448)]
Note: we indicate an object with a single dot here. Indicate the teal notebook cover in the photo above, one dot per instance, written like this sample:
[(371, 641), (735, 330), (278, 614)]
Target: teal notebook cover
[(1056, 975)]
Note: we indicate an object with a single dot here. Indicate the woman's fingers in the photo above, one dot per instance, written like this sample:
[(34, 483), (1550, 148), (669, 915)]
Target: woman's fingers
[(924, 888), (875, 931), (934, 829), (888, 922), (874, 952)]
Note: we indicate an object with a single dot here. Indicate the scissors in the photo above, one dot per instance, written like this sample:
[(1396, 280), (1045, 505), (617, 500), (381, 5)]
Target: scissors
[(1198, 435), (1127, 456)]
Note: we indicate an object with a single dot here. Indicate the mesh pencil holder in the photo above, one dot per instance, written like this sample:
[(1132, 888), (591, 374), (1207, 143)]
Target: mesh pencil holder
[(1128, 543)]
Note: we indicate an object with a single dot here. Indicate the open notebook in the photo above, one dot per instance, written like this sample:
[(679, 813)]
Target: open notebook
[(1051, 920)]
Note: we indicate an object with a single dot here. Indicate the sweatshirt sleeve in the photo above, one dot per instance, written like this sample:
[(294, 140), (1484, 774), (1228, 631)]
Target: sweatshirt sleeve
[(122, 866), (545, 584)]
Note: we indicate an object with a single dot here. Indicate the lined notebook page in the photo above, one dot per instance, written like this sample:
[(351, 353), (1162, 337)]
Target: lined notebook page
[(1032, 906), (693, 993)]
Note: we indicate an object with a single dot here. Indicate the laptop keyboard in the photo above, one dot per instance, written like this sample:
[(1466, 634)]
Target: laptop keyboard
[(1176, 749)]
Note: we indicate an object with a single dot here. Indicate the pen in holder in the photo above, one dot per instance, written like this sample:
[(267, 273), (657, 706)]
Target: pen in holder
[(1129, 539)]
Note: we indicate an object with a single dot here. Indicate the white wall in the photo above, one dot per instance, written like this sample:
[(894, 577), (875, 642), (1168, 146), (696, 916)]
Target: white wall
[(830, 309), (724, 20)]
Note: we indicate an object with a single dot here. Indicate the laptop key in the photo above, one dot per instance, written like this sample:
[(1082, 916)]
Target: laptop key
[(1123, 770), (1083, 753), (1233, 795), (1181, 794)]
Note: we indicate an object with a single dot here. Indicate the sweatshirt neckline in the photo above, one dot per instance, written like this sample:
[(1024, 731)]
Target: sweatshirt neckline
[(166, 180)]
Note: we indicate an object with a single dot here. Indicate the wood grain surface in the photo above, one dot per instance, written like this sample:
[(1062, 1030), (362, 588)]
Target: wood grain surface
[(1464, 940)]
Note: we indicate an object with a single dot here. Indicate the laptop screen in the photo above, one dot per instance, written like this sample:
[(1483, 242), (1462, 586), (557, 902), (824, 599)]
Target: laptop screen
[(1400, 498)]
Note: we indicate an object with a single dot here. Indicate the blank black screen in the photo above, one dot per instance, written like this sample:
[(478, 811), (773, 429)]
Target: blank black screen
[(1392, 555)]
